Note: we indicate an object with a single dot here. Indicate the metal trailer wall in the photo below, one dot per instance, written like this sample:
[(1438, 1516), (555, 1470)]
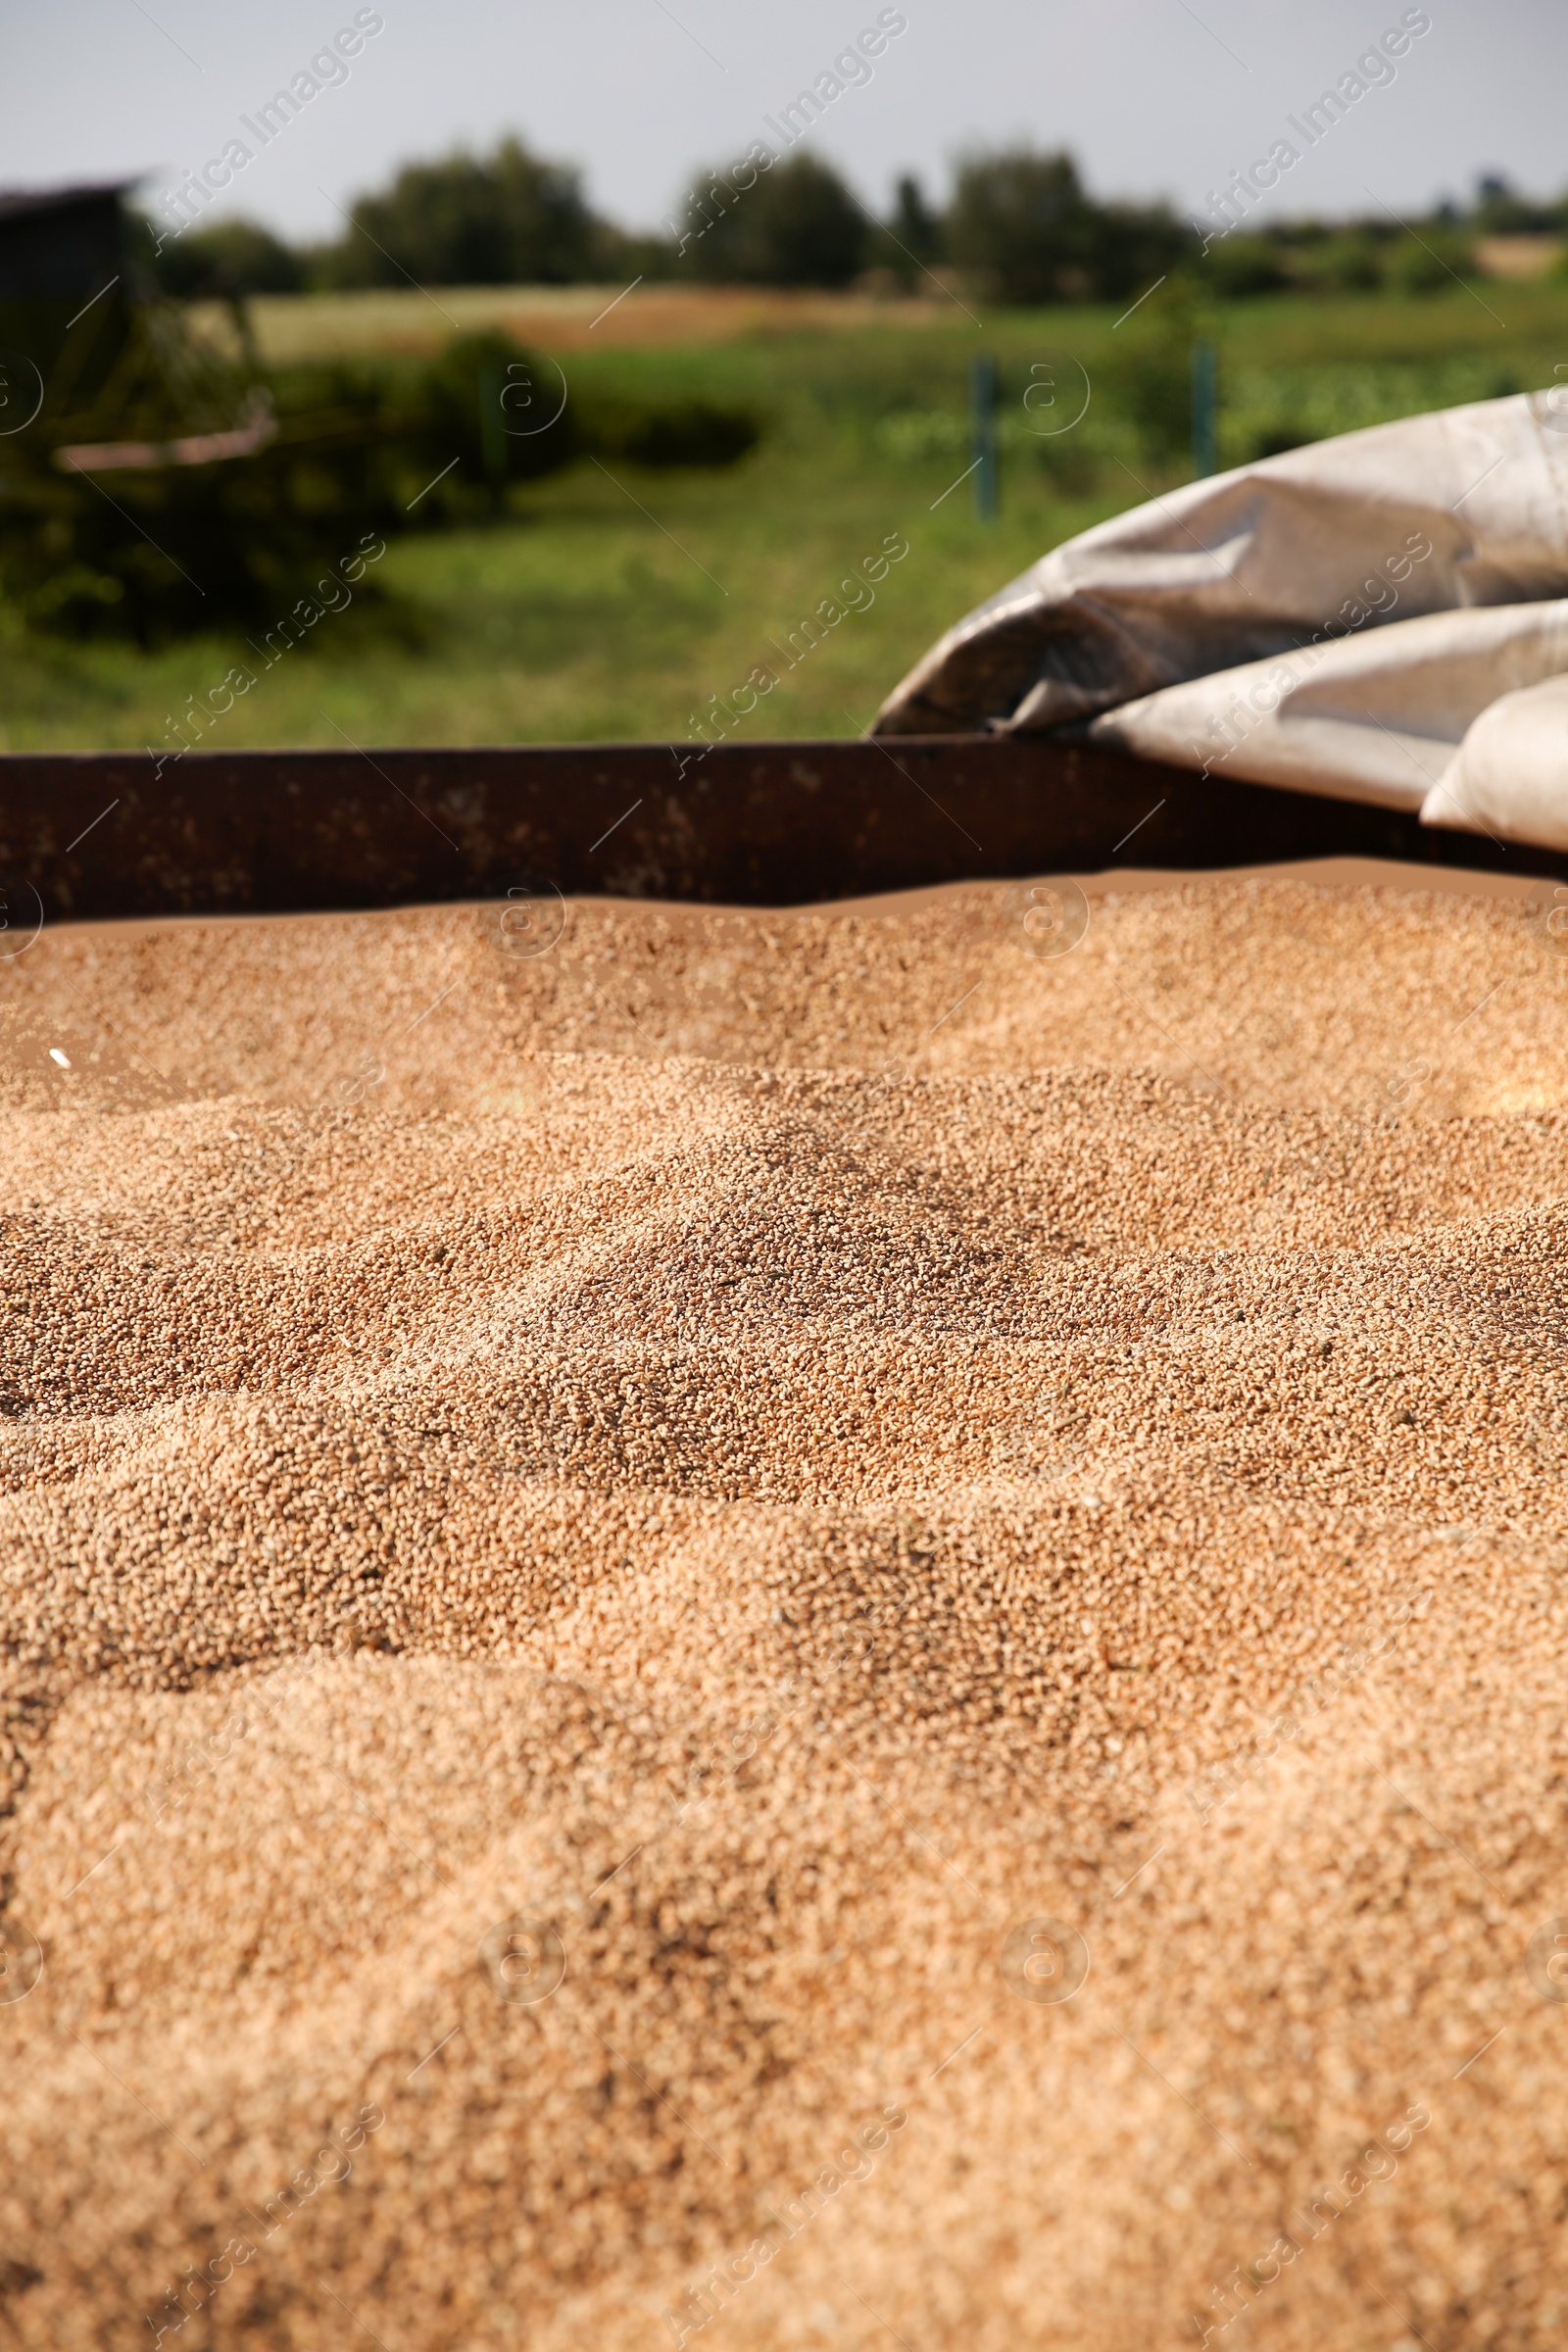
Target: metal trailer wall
[(104, 834)]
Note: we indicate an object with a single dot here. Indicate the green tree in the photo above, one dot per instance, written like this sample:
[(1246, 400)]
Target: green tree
[(914, 224), (510, 219), (1501, 212), (797, 224), (1023, 223)]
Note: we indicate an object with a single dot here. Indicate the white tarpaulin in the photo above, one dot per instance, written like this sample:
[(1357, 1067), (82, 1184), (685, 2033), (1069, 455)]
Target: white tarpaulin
[(1382, 616)]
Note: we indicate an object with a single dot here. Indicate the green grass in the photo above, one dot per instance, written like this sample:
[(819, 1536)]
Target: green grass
[(602, 609)]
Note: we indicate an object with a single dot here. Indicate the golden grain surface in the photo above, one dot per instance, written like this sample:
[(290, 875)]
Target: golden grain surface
[(601, 1513)]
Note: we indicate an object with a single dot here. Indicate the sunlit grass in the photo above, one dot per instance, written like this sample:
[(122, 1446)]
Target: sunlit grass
[(605, 608), (581, 617)]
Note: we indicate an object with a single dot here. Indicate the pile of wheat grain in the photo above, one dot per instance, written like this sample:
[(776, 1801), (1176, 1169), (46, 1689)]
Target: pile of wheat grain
[(818, 1629)]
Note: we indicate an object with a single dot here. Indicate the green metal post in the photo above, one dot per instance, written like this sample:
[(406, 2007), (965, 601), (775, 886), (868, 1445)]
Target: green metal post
[(1205, 411), (492, 433), (983, 415)]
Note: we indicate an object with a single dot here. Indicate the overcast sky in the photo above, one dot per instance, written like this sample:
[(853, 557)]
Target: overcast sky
[(1156, 97)]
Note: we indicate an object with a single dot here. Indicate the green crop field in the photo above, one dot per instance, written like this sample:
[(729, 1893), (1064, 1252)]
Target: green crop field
[(605, 604)]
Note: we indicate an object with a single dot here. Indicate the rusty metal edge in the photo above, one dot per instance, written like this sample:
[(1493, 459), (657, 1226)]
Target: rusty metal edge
[(95, 835)]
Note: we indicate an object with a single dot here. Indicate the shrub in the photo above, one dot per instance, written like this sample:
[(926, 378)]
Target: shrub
[(152, 551), (182, 549), (1235, 266), (232, 256), (1349, 262), (688, 432), (499, 411), (1415, 266)]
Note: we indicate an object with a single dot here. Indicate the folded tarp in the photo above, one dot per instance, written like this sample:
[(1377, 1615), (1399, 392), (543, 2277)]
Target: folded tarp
[(1383, 617)]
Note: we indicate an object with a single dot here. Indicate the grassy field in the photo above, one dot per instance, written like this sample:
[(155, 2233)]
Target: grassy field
[(603, 606)]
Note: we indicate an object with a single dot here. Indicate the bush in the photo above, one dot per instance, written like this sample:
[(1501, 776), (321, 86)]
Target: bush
[(1351, 263), (189, 548), (152, 552), (688, 432), (1236, 267), (1429, 267), (1132, 245), (499, 410), (232, 256), (506, 416), (1266, 409), (1150, 384)]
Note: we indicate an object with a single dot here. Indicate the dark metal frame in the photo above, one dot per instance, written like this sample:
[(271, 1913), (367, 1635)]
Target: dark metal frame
[(112, 834)]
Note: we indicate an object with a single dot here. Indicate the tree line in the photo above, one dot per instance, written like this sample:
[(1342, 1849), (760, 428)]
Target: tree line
[(1018, 225)]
